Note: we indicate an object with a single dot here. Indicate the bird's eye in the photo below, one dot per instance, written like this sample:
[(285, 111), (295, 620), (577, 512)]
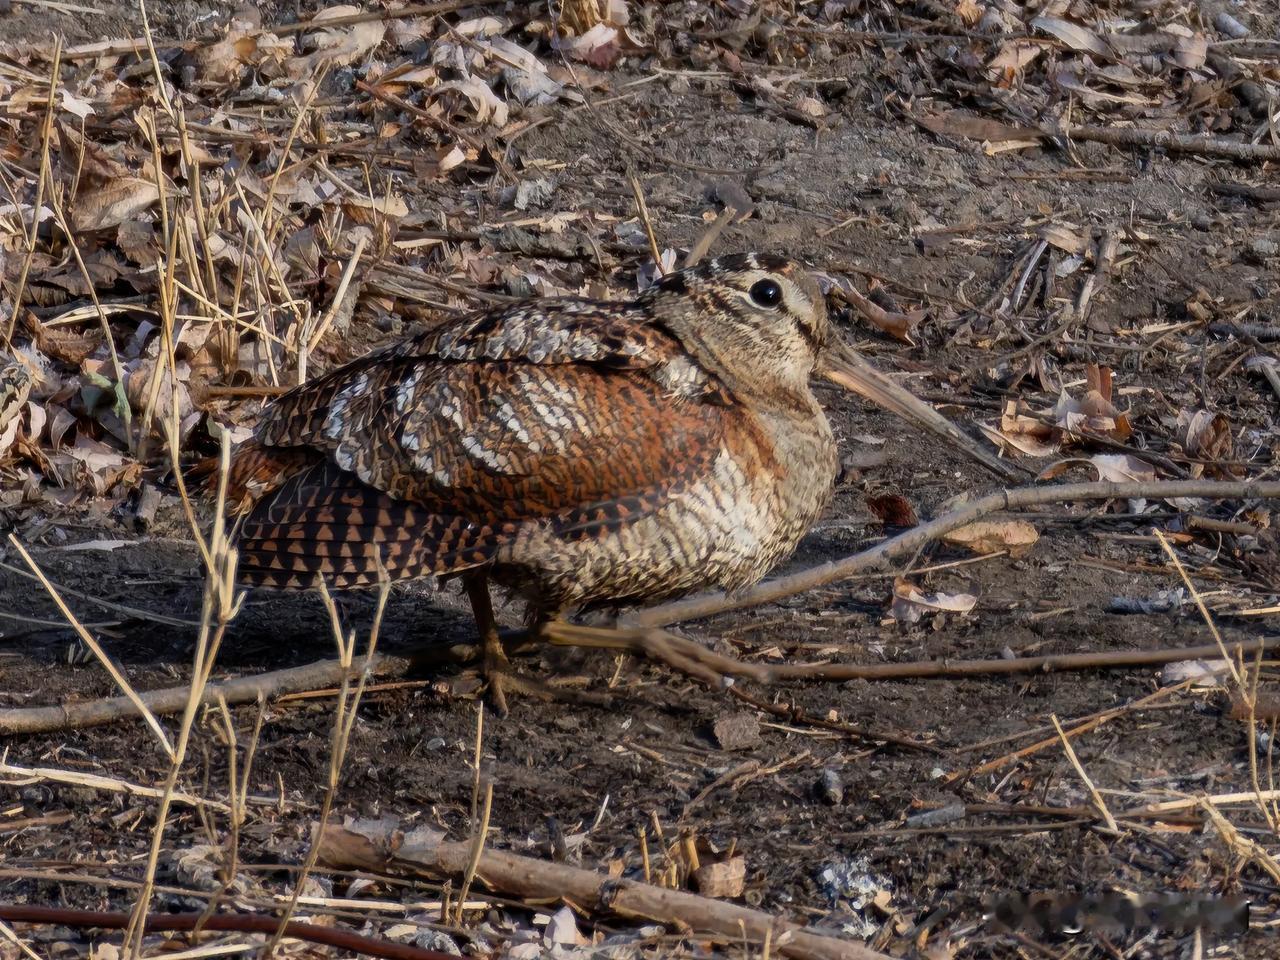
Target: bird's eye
[(766, 293)]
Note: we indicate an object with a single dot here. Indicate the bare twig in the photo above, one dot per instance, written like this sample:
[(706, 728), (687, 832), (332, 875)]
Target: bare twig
[(908, 543), (512, 874), (247, 923)]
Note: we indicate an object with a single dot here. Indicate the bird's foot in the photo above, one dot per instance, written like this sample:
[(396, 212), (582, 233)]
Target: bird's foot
[(691, 658), (501, 679)]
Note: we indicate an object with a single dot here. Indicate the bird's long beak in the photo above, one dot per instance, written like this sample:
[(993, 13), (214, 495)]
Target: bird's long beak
[(843, 367)]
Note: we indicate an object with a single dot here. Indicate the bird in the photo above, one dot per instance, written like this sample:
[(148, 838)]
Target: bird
[(579, 453)]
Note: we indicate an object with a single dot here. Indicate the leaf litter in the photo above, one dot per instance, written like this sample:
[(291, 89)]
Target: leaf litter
[(409, 146)]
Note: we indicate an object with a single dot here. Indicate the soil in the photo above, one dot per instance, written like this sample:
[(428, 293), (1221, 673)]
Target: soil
[(851, 196)]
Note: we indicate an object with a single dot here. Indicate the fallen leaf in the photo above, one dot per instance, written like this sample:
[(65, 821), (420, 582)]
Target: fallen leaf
[(1072, 34), (909, 604), (724, 880), (1016, 537), (113, 203)]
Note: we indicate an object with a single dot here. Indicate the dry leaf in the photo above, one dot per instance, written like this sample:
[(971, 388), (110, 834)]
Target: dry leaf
[(721, 880), (1111, 467), (992, 536), (486, 105), (958, 123), (1073, 35), (113, 204), (599, 47), (1205, 435), (909, 604), (337, 46), (1011, 57)]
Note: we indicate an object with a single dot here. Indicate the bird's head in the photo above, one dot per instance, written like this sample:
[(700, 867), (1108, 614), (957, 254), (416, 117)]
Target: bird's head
[(760, 324)]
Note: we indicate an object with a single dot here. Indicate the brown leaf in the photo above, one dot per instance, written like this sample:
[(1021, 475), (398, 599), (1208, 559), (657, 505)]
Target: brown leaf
[(1073, 35), (909, 604), (992, 536), (113, 204), (721, 880), (966, 126)]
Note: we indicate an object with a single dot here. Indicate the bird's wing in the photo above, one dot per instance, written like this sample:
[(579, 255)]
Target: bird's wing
[(447, 443)]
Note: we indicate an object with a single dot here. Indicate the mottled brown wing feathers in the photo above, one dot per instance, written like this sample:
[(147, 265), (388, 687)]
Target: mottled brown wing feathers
[(429, 456)]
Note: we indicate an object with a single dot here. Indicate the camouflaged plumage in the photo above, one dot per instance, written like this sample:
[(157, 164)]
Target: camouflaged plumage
[(581, 452)]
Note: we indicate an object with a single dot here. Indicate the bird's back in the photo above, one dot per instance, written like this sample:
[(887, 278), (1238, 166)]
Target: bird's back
[(576, 448)]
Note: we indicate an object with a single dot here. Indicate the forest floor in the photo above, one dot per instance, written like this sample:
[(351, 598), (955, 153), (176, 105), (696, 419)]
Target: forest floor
[(840, 130)]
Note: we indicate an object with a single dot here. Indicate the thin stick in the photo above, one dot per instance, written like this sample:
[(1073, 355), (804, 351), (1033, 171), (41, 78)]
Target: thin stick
[(643, 209), (323, 326), (710, 236), (1164, 139), (92, 713), (346, 940), (1080, 772), (1097, 721), (908, 543), (46, 133), (87, 639)]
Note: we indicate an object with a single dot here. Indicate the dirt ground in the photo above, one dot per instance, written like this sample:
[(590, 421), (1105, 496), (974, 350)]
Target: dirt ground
[(903, 846)]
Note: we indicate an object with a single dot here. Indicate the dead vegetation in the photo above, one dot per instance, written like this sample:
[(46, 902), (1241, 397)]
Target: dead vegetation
[(195, 217)]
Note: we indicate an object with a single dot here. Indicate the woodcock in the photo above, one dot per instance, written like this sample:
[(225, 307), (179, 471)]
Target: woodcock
[(581, 453)]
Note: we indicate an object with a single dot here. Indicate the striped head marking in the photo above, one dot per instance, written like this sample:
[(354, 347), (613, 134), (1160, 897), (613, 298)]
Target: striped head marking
[(757, 321)]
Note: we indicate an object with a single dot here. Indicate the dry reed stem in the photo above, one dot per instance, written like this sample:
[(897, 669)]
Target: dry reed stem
[(705, 242), (1080, 772), (219, 608), (42, 181), (87, 639), (1247, 692), (307, 344), (348, 704), (1000, 762), (8, 933), (96, 781), (642, 209), (477, 850)]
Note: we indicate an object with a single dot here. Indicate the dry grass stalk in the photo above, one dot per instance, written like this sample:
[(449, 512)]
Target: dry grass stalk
[(88, 640), (347, 706), (307, 344), (642, 209), (477, 850), (43, 181), (96, 781), (8, 933), (1080, 772)]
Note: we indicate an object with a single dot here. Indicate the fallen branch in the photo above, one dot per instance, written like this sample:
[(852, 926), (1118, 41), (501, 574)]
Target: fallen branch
[(1049, 663), (381, 847), (239, 922), (1164, 139), (92, 713), (906, 544)]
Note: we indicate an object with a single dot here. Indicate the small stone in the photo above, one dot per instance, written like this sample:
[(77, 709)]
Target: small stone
[(829, 788), (737, 731)]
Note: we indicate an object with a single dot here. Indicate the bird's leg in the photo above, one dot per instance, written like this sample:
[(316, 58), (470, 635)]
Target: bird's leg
[(494, 665), (713, 669)]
